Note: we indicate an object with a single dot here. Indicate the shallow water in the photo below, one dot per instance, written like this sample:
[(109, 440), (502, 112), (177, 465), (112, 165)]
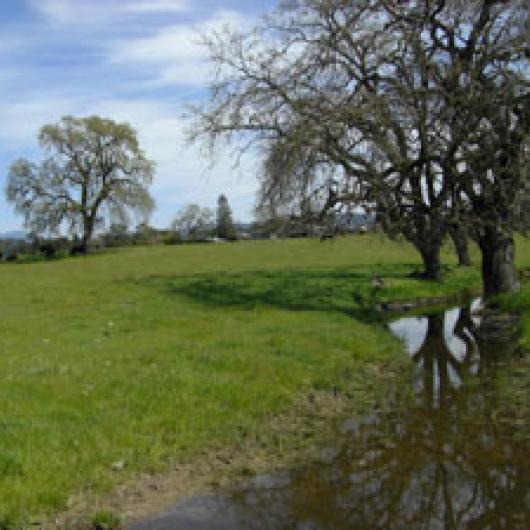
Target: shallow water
[(451, 459)]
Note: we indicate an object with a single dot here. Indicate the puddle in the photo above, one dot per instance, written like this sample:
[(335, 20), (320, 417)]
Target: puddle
[(446, 461)]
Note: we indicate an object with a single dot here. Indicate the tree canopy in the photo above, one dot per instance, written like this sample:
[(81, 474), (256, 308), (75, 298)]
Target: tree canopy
[(95, 172), (193, 223)]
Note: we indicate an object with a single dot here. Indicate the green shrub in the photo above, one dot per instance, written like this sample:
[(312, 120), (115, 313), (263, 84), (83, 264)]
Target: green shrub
[(172, 238)]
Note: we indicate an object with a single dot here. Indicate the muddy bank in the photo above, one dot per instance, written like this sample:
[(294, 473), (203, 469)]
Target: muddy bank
[(286, 441), (395, 307)]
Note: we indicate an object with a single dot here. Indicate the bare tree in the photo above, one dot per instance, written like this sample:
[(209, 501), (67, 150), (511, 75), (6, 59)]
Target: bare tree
[(487, 95), (329, 91), (95, 170), (390, 97)]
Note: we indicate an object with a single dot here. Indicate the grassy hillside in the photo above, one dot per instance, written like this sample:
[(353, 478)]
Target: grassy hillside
[(144, 355)]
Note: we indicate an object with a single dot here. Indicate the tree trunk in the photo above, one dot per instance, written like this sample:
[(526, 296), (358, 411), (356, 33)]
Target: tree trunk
[(430, 254), (460, 240), (88, 228), (498, 269), (83, 246)]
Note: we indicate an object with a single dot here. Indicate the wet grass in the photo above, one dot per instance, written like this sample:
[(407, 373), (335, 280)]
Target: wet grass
[(136, 359), (519, 303)]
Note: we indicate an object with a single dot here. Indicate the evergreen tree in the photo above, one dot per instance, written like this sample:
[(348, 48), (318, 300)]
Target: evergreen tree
[(225, 224)]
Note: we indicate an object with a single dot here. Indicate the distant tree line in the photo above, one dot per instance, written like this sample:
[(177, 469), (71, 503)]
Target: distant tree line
[(34, 247), (194, 223)]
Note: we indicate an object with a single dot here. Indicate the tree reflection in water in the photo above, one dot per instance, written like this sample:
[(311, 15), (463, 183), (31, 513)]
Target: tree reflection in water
[(446, 462)]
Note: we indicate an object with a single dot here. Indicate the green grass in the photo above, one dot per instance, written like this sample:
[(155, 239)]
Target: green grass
[(151, 354), (520, 303)]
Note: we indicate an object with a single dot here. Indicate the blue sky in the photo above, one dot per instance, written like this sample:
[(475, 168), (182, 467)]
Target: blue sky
[(132, 60)]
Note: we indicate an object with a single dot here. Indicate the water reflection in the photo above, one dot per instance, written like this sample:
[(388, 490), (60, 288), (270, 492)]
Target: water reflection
[(446, 462), (449, 347)]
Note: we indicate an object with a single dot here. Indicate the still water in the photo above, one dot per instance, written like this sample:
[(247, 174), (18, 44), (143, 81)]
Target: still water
[(456, 457)]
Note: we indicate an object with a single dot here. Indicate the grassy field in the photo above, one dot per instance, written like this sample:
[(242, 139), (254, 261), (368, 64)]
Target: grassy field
[(129, 360)]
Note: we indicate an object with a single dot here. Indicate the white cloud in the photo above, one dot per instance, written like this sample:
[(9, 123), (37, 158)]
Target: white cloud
[(174, 52), (87, 12), (159, 6), (174, 42), (62, 12), (22, 119), (169, 43)]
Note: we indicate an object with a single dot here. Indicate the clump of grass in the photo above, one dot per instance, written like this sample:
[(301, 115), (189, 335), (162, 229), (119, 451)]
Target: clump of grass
[(520, 303), (7, 523), (106, 521)]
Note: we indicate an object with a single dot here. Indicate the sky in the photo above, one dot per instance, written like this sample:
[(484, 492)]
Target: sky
[(129, 60)]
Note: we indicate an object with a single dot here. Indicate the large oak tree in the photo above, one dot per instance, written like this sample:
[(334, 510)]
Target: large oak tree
[(95, 171), (416, 108)]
